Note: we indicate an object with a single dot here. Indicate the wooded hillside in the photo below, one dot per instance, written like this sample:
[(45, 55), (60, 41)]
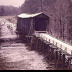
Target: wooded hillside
[(50, 6), (9, 10), (59, 12)]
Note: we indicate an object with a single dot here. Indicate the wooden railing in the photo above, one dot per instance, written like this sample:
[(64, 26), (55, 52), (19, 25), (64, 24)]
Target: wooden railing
[(58, 43)]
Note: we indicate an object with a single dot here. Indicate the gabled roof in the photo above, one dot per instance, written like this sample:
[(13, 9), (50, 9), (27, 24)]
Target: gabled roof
[(29, 15)]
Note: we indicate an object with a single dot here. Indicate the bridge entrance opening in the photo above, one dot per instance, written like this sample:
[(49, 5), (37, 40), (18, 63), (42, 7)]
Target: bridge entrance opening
[(40, 25)]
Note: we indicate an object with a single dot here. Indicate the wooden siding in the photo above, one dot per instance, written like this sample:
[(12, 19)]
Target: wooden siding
[(29, 25)]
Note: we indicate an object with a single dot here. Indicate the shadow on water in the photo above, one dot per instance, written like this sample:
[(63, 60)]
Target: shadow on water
[(1, 40), (13, 65)]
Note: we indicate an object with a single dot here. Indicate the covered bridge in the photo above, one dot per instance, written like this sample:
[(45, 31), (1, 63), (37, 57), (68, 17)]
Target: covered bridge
[(29, 23)]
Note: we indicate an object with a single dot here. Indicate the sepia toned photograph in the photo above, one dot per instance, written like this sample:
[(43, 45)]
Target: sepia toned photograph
[(35, 34)]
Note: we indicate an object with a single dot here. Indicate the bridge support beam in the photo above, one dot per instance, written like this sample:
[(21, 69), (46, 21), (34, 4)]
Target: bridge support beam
[(55, 55)]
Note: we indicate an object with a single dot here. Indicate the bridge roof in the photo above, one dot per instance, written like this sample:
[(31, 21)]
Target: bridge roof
[(23, 15)]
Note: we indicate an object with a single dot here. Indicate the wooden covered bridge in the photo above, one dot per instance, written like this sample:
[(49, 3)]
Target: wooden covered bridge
[(58, 52), (30, 23)]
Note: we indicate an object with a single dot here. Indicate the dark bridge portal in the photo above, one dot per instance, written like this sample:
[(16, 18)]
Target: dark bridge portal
[(41, 24)]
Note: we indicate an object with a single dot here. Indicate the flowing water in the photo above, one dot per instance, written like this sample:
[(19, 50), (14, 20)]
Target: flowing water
[(14, 54)]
